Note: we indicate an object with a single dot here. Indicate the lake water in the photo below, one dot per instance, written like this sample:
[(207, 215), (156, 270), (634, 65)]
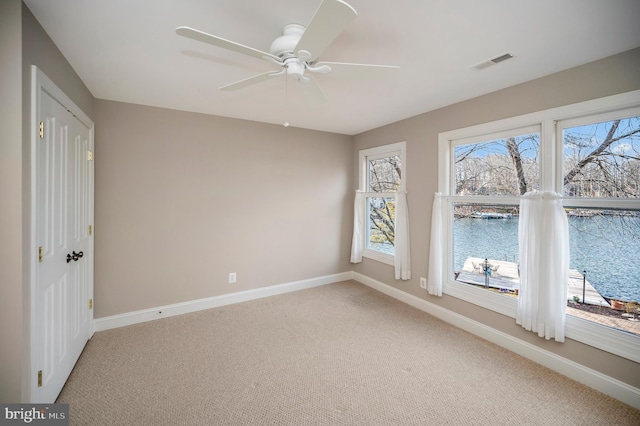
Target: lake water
[(612, 262)]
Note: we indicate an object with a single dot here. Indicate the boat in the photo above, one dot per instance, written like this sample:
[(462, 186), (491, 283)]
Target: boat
[(491, 215)]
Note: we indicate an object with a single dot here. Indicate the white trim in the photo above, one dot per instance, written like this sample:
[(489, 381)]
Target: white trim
[(41, 83), (608, 339), (382, 151), (548, 156), (589, 377), (445, 154), (144, 315), (598, 117), (501, 134), (378, 256), (500, 303)]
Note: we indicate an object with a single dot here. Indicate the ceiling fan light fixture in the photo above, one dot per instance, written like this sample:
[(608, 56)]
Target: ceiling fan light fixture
[(294, 68)]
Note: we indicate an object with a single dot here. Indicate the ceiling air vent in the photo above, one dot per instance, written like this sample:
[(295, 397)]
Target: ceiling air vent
[(485, 64)]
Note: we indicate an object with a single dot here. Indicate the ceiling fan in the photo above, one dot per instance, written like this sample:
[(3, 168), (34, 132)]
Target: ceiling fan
[(297, 50)]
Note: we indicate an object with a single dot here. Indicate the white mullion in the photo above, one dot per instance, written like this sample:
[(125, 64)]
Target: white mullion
[(484, 199), (445, 154), (603, 203), (379, 194), (550, 157)]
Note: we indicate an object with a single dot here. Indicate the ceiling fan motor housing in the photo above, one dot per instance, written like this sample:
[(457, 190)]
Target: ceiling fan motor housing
[(284, 45)]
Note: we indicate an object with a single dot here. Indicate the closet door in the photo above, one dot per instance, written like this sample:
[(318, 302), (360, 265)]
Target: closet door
[(64, 199)]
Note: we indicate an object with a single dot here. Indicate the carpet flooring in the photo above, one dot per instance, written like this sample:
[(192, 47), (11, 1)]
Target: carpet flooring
[(339, 354)]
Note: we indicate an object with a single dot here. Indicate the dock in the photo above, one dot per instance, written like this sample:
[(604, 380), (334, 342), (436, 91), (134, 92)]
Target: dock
[(591, 295), (505, 277)]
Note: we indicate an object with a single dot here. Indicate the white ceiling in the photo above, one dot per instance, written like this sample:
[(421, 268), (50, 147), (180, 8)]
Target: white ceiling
[(127, 50)]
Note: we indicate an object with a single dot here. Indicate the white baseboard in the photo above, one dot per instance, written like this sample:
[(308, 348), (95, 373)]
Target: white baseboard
[(589, 377), (151, 314)]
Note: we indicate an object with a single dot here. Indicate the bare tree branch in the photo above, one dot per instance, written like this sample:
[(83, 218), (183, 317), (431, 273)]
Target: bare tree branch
[(595, 153), (514, 152)]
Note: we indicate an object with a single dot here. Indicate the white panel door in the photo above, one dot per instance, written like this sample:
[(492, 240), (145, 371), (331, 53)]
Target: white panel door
[(64, 201)]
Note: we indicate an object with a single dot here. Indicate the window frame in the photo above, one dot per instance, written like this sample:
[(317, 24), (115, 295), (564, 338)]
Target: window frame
[(550, 123), (365, 155)]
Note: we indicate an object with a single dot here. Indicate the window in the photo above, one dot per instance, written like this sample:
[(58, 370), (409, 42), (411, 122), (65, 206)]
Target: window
[(381, 171), (601, 185), (590, 153), (489, 175)]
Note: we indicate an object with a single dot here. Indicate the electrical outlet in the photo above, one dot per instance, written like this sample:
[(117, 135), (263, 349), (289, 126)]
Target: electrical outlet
[(423, 282), (232, 277)]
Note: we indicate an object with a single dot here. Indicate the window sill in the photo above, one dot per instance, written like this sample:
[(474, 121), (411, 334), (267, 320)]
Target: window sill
[(617, 342), (380, 257), (499, 303)]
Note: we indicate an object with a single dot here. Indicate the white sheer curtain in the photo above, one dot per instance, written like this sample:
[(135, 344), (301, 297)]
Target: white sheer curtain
[(402, 258), (543, 237), (357, 243), (436, 248)]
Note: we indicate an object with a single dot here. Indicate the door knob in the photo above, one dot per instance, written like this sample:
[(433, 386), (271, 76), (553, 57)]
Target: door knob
[(74, 256)]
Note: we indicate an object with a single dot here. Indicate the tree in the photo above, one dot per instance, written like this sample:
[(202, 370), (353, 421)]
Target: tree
[(384, 177), (600, 160), (514, 152), (603, 167), (499, 167), (382, 215)]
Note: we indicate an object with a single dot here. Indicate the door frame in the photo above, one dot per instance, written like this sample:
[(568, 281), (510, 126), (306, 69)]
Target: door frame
[(40, 82)]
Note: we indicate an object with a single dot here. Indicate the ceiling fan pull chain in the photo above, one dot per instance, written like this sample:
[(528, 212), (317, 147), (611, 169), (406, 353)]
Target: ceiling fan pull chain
[(286, 98)]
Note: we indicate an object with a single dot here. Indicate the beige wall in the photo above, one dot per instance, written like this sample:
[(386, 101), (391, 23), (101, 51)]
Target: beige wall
[(183, 199), (39, 49), (610, 76), (11, 202)]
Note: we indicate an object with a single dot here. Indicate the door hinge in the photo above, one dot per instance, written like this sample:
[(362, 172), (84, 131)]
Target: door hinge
[(41, 129), (40, 378), (40, 254), (89, 155), (90, 303), (90, 229)]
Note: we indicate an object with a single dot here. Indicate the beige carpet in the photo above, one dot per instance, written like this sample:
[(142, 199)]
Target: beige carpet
[(341, 354)]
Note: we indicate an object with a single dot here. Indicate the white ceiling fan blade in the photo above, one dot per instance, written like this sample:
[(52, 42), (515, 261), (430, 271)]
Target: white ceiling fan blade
[(251, 80), (345, 65), (224, 43), (344, 69), (311, 89), (331, 18)]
